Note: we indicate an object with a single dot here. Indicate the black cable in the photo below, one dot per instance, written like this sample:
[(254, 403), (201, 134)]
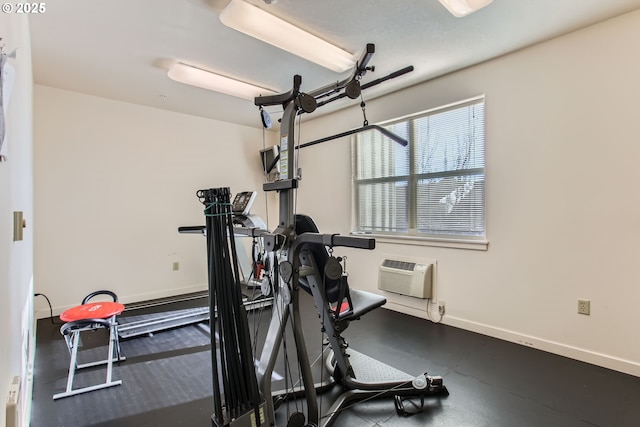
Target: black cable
[(205, 198), (230, 342), (222, 310), (234, 378), (50, 308)]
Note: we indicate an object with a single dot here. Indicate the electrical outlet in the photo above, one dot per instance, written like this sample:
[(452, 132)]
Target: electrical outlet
[(441, 308), (176, 266), (584, 306)]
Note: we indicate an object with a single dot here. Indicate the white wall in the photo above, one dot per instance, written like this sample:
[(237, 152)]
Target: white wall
[(561, 199), (16, 266), (114, 181)]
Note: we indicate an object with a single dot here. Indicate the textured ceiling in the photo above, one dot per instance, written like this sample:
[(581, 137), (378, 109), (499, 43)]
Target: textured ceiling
[(122, 49)]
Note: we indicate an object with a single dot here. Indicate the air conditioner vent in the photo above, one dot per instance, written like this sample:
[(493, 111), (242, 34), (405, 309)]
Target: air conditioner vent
[(399, 265)]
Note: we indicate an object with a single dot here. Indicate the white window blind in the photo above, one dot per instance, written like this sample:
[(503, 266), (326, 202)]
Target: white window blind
[(432, 187)]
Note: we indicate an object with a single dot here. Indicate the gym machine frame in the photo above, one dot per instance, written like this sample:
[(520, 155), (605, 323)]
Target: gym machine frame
[(289, 246), (296, 262)]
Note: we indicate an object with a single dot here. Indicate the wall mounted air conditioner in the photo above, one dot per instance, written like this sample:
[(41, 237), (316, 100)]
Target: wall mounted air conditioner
[(413, 279)]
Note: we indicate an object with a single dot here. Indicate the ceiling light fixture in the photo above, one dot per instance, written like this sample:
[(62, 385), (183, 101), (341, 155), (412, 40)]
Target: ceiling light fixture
[(261, 25), (194, 76), (460, 8)]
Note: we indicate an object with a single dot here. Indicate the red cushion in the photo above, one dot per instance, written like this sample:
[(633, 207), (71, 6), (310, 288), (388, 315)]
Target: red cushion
[(93, 310)]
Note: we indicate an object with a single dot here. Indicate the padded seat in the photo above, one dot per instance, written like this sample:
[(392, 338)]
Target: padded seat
[(362, 302), (355, 303)]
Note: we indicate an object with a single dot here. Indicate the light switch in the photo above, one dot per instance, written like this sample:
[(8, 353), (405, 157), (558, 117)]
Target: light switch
[(18, 225)]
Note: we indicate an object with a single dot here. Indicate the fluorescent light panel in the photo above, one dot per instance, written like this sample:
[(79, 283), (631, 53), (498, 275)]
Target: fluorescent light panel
[(460, 8), (194, 76), (261, 25)]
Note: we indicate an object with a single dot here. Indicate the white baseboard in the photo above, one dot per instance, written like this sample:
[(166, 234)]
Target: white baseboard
[(577, 353), (145, 296), (581, 354)]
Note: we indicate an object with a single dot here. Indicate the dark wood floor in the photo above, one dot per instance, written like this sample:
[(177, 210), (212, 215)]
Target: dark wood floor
[(167, 380)]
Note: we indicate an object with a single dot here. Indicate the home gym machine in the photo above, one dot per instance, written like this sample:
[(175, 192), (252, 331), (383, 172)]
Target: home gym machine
[(303, 259)]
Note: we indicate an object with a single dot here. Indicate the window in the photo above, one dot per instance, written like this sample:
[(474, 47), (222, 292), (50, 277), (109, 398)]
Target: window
[(434, 187)]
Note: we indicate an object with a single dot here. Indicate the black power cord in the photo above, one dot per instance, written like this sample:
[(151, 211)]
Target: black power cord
[(50, 308)]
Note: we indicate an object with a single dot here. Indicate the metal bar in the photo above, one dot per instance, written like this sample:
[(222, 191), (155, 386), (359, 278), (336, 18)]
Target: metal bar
[(371, 83), (282, 98), (359, 71), (319, 297), (269, 355), (335, 240), (98, 363), (303, 355), (112, 340), (380, 129), (86, 389)]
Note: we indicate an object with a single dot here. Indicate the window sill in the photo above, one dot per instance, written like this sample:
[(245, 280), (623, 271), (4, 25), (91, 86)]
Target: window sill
[(476, 245)]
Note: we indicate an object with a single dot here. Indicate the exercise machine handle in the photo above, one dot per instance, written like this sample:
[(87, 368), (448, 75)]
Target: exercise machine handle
[(335, 240)]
